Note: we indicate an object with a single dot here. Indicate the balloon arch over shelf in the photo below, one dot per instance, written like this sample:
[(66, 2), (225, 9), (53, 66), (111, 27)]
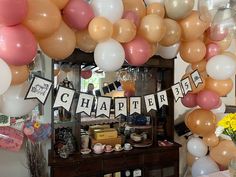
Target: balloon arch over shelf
[(131, 30)]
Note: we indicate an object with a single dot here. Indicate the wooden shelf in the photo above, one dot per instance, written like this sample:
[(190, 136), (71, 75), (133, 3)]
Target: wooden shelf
[(141, 126)]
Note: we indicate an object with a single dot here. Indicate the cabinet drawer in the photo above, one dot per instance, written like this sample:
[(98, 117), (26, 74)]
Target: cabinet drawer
[(113, 164), (91, 166), (134, 160), (151, 158)]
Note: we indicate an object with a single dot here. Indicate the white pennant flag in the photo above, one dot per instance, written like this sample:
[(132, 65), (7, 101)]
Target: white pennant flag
[(177, 91), (39, 89), (120, 106), (150, 102), (135, 105), (103, 106), (196, 78), (186, 85), (162, 98), (64, 98), (85, 103)]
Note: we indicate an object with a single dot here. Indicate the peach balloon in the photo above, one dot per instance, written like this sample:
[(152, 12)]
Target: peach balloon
[(19, 74), (223, 152), (225, 43), (43, 17), (193, 51), (124, 30), (195, 89), (60, 3), (221, 87), (200, 66), (192, 27), (191, 159), (211, 140), (201, 122), (137, 6), (84, 41), (154, 47), (152, 28), (61, 44), (156, 8), (100, 29), (172, 34)]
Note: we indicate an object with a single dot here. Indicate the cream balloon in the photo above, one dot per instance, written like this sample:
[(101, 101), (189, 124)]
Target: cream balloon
[(112, 9), (153, 1), (178, 9), (197, 147), (6, 78), (12, 102), (169, 52)]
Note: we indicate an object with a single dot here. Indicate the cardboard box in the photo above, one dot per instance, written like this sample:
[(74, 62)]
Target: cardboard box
[(95, 127), (105, 133), (111, 141)]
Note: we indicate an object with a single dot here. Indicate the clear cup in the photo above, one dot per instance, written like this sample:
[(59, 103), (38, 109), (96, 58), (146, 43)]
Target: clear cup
[(232, 167)]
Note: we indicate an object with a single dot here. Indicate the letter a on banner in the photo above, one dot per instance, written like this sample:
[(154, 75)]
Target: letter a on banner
[(135, 105), (120, 106), (177, 91), (85, 103), (150, 102), (196, 78), (103, 106), (186, 85), (162, 98), (64, 98)]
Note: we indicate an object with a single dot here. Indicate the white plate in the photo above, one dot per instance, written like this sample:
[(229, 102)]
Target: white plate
[(85, 151), (128, 149), (118, 150)]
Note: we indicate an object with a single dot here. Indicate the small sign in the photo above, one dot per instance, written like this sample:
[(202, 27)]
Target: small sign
[(135, 105), (85, 103), (150, 102), (162, 98), (121, 107), (103, 106), (186, 85), (196, 78), (4, 120), (39, 89), (177, 91)]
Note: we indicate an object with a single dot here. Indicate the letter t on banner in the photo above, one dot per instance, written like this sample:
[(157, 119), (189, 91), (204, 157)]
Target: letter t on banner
[(120, 106), (162, 98), (103, 106), (135, 105), (85, 103), (150, 102), (64, 98)]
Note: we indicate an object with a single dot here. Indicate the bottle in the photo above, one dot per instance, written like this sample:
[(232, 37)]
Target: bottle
[(137, 173)]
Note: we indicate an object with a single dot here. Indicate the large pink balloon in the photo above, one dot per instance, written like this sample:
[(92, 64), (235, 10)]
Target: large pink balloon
[(17, 45), (207, 99), (77, 14), (137, 51), (12, 12), (189, 100)]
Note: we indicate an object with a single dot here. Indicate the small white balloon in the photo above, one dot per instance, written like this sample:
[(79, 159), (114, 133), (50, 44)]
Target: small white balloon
[(12, 102), (204, 166), (154, 1), (221, 67), (112, 9), (109, 55), (6, 78), (169, 52), (197, 147)]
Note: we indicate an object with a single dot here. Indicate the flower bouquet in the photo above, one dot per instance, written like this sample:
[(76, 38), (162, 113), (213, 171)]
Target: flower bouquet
[(227, 126)]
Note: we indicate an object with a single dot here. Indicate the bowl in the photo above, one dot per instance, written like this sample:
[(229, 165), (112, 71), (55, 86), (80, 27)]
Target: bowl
[(85, 151)]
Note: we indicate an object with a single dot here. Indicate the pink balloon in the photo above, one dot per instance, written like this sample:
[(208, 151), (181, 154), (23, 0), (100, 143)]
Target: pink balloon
[(212, 50), (217, 33), (132, 16), (189, 100), (77, 14), (137, 51), (12, 12), (17, 45), (208, 99)]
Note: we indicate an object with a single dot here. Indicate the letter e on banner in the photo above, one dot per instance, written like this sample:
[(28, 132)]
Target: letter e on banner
[(150, 102)]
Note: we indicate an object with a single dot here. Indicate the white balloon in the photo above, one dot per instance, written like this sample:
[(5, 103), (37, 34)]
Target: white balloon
[(197, 147), (204, 166), (220, 109), (109, 55), (221, 67), (5, 71), (169, 52), (12, 102), (154, 1), (112, 9)]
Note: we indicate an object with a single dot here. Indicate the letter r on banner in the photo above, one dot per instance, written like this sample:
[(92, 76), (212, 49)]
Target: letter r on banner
[(162, 98)]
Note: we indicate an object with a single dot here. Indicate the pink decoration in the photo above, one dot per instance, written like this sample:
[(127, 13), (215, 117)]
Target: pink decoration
[(132, 16), (189, 100), (86, 74), (208, 99), (17, 45), (217, 33), (12, 12), (137, 51), (11, 139), (77, 14), (212, 50)]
